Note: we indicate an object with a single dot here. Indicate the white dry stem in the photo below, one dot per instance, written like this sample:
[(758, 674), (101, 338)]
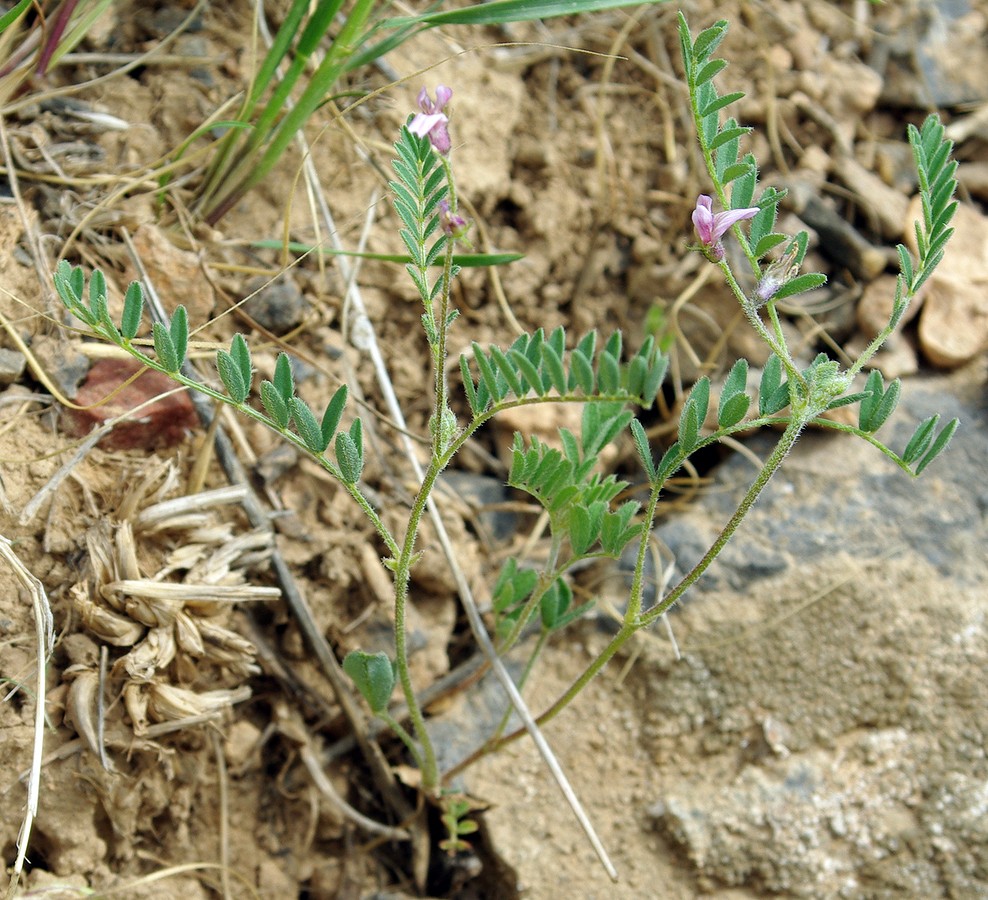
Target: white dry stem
[(160, 513), (45, 631), (369, 344), (189, 593)]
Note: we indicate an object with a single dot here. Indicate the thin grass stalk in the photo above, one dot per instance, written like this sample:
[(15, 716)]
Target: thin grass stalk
[(279, 49), (249, 171)]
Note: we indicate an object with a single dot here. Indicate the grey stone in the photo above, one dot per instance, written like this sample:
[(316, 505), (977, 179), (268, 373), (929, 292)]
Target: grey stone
[(278, 306), (836, 492), (12, 363)]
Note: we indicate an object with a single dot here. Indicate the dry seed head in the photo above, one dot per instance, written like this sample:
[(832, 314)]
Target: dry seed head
[(109, 626), (126, 552), (187, 635), (136, 703), (167, 702), (154, 611), (80, 705)]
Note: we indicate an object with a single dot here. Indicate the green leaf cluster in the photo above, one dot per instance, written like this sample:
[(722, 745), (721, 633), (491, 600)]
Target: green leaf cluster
[(282, 408), (721, 146), (510, 600), (418, 189), (927, 444), (539, 365), (937, 186), (91, 307), (512, 589), (877, 405), (877, 402), (578, 499), (455, 821)]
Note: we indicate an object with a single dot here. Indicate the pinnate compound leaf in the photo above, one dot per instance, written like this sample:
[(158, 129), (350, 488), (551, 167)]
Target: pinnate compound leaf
[(374, 676)]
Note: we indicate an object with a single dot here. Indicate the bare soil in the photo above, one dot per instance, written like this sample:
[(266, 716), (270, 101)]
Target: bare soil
[(571, 145)]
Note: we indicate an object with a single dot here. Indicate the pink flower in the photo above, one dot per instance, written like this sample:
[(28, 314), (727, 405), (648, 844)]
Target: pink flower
[(452, 224), (431, 122), (711, 228)]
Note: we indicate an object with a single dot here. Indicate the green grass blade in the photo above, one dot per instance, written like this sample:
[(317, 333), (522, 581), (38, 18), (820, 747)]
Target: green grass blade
[(501, 12)]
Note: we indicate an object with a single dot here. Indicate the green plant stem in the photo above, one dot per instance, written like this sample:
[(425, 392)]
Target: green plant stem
[(775, 342), (630, 627), (440, 411), (899, 309), (404, 560), (404, 736), (250, 170)]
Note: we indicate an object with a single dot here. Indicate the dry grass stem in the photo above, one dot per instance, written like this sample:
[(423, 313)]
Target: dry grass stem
[(45, 634)]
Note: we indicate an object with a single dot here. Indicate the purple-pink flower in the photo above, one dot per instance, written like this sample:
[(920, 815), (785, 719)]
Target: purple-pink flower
[(451, 223), (710, 227), (431, 122)]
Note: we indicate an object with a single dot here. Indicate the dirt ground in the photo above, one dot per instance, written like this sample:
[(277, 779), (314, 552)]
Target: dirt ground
[(823, 732)]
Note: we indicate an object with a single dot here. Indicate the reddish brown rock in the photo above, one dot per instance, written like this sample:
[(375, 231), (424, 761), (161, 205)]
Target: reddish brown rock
[(162, 423)]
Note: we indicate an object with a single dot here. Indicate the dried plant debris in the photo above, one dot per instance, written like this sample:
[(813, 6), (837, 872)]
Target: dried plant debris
[(163, 576)]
